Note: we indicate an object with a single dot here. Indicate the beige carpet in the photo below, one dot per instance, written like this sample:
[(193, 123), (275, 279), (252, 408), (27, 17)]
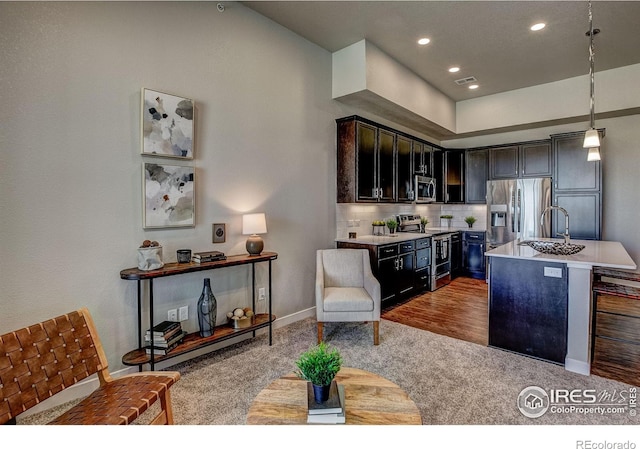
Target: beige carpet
[(451, 381)]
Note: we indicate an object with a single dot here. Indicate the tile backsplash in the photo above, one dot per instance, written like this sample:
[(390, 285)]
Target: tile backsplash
[(357, 218)]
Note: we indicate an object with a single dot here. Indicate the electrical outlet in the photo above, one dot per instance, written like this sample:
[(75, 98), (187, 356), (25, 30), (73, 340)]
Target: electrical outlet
[(183, 313), (172, 315), (261, 294)]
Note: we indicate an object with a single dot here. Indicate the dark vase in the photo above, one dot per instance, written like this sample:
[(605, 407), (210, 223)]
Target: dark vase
[(321, 393), (207, 310)]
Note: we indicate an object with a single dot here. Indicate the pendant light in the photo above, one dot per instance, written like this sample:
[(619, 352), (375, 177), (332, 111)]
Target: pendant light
[(591, 138)]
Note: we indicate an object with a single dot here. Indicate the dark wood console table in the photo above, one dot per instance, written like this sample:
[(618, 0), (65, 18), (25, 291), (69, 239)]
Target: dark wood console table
[(193, 341)]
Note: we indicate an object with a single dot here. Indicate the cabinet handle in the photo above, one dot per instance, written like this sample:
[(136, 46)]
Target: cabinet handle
[(401, 264), (396, 264)]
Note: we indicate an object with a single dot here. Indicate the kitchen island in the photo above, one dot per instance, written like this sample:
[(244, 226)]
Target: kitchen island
[(578, 269)]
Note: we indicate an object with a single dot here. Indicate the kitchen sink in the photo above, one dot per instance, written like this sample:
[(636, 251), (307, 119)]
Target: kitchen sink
[(558, 248)]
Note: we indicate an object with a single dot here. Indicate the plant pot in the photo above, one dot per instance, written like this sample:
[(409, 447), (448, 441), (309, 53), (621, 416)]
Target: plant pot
[(321, 393)]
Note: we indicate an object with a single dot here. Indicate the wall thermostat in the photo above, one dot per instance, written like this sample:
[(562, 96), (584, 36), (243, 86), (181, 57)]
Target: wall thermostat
[(219, 233)]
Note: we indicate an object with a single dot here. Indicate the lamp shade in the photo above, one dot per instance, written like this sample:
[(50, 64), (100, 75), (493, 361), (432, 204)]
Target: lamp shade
[(594, 154), (591, 139), (254, 224)]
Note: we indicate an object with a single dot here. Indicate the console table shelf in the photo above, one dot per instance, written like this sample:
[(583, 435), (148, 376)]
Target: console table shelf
[(193, 341)]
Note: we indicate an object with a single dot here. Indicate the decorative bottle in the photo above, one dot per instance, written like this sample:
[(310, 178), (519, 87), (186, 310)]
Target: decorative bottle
[(207, 310)]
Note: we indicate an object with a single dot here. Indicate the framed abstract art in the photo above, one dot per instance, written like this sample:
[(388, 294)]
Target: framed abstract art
[(167, 125), (168, 196)]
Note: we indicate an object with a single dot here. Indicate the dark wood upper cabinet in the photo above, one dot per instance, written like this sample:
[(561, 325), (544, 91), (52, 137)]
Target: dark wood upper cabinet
[(503, 162), (477, 172), (535, 160), (422, 163), (366, 156), (577, 187), (526, 160), (404, 185), (386, 165), (454, 176), (438, 169), (378, 164)]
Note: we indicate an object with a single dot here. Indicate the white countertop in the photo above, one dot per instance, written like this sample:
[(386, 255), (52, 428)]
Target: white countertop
[(596, 252), (399, 236)]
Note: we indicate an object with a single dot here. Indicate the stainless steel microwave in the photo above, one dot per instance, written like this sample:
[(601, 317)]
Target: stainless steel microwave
[(425, 189)]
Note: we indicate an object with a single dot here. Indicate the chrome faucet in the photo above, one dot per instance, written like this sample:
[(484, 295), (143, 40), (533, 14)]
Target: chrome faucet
[(566, 221)]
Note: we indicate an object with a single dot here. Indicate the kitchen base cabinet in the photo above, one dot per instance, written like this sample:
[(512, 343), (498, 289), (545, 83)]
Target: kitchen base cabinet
[(473, 258), (615, 343), (528, 308), (456, 255), (395, 266), (422, 275)]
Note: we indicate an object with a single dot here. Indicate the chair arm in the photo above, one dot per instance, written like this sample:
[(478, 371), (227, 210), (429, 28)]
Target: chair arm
[(372, 286), (319, 286)]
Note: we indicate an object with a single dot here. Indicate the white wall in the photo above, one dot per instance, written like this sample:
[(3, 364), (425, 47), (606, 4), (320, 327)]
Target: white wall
[(615, 90), (70, 168)]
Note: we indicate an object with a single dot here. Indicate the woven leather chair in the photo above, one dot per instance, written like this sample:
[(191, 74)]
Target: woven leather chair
[(346, 289), (39, 361)]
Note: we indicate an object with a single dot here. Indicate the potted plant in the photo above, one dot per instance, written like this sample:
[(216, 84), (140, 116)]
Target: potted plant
[(470, 221), (319, 365), (423, 224), (378, 227), (392, 224), (448, 218)]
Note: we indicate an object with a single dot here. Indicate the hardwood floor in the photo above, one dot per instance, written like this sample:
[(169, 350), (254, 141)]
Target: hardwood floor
[(458, 310)]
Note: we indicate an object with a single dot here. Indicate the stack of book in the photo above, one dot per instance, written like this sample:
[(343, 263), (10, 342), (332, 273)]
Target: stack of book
[(329, 412), (164, 337), (208, 256)]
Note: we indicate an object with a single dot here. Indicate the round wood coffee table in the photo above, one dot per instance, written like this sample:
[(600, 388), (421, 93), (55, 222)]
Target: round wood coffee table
[(369, 399)]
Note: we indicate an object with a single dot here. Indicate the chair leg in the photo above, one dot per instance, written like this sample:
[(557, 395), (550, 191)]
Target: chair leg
[(166, 412), (319, 332), (376, 333)]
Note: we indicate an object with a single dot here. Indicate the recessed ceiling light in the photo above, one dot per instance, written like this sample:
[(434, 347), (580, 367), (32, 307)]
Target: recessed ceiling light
[(473, 86), (454, 69), (424, 41), (538, 26)]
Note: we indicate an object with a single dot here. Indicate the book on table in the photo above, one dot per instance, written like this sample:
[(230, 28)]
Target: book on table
[(165, 343), (332, 417), (163, 349), (331, 405), (163, 339), (163, 328), (208, 256)]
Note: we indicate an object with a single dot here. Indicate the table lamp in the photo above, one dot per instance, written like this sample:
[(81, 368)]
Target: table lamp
[(252, 225)]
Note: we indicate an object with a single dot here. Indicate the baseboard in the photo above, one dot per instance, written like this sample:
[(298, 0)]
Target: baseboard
[(84, 388), (577, 366)]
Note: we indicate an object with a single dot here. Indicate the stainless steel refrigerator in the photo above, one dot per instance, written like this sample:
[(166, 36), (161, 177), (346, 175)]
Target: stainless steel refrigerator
[(514, 209)]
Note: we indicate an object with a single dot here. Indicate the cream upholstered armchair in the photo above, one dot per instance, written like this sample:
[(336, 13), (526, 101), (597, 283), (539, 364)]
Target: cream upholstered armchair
[(346, 289)]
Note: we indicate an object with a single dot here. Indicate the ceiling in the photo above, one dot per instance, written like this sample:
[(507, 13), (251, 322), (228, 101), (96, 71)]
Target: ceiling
[(490, 41)]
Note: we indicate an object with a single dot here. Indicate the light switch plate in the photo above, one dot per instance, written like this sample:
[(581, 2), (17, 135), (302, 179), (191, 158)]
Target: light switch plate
[(552, 272), (219, 233)]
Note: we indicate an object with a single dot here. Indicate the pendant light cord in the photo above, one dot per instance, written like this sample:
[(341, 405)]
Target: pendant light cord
[(591, 69)]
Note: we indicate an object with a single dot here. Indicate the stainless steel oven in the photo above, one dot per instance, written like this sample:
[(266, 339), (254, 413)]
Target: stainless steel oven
[(425, 189), (441, 261)]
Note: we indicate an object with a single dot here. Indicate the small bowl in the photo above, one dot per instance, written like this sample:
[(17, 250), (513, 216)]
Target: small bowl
[(241, 324), (183, 255)]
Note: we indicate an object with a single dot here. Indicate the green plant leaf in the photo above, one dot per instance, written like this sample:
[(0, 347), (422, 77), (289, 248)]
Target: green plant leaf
[(319, 365)]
